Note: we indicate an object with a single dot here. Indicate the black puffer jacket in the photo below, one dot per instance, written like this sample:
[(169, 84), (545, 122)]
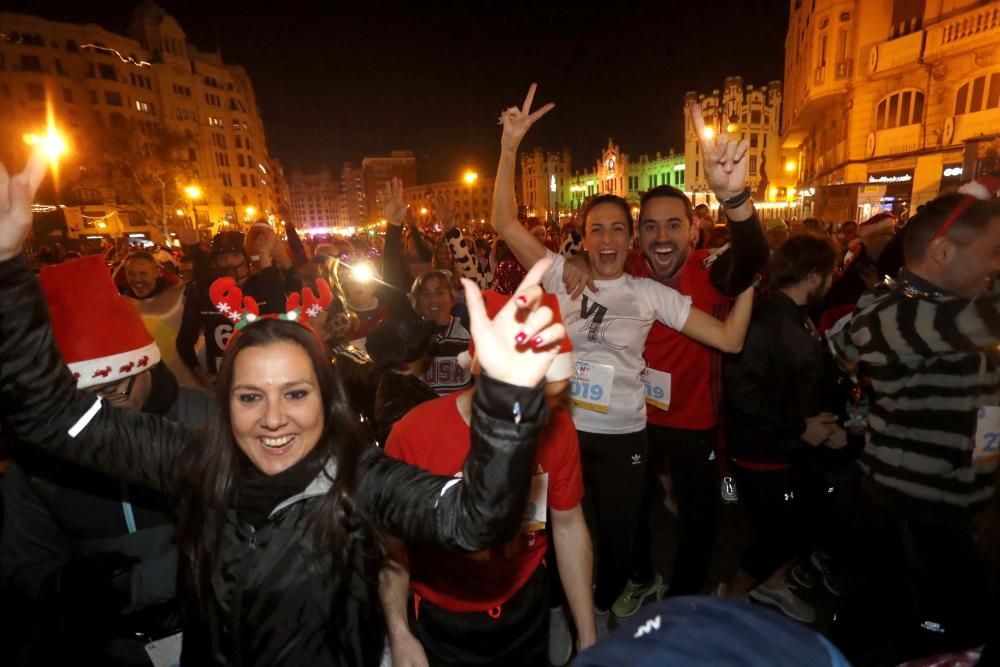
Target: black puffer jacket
[(275, 601)]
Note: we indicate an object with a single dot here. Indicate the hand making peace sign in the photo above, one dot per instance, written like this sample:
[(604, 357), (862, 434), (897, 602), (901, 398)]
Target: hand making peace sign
[(517, 121)]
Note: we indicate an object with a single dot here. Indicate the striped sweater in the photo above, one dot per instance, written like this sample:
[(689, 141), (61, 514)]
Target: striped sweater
[(933, 362)]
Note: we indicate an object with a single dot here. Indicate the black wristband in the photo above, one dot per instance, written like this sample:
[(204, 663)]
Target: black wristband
[(737, 200)]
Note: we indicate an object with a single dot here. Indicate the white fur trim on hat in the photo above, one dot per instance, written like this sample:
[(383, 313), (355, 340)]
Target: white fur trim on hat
[(977, 190), (116, 367)]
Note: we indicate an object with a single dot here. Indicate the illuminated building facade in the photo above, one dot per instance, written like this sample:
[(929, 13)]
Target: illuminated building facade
[(754, 114), (314, 200), (376, 173), (91, 79), (890, 102), (470, 199)]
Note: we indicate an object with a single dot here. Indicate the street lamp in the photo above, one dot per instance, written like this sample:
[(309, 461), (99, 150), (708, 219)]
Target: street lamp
[(250, 212), (52, 142), (470, 177)]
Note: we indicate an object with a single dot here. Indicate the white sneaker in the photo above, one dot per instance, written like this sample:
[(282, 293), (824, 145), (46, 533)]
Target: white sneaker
[(560, 638), (788, 602)]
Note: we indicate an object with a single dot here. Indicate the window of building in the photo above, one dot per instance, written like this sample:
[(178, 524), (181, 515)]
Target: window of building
[(753, 140), (239, 141), (243, 180), (36, 92), (899, 109), (112, 98), (107, 72), (227, 181), (753, 164), (240, 161), (755, 117), (907, 17), (31, 63)]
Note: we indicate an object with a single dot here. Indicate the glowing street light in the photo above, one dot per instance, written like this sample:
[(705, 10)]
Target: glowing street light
[(250, 211), (423, 210), (193, 192), (52, 142), (790, 166), (708, 133), (470, 177)]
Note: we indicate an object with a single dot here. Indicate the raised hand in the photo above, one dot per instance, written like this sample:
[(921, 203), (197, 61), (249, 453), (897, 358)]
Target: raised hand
[(392, 202), (518, 345), (16, 194), (724, 157), (445, 213), (516, 121)]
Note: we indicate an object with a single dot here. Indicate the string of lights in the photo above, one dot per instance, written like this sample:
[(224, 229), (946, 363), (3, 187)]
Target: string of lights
[(124, 59)]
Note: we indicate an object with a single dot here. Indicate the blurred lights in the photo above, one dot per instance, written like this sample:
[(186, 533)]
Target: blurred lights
[(193, 192), (470, 177), (790, 166)]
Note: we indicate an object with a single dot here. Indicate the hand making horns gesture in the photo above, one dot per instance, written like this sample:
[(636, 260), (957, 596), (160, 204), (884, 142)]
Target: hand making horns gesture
[(724, 158)]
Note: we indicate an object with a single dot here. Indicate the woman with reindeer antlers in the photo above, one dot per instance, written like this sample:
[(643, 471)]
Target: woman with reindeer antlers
[(281, 509)]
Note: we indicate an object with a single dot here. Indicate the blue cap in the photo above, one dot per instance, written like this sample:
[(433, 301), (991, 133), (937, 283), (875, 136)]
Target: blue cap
[(720, 632)]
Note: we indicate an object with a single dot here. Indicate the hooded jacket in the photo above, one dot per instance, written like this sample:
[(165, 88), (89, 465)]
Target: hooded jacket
[(274, 598)]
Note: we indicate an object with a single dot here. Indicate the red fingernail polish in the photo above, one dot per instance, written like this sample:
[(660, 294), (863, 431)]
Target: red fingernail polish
[(536, 341), (520, 338), (522, 299)]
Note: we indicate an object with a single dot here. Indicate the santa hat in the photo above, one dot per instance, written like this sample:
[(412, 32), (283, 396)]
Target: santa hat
[(880, 222), (983, 187), (562, 366), (98, 332)]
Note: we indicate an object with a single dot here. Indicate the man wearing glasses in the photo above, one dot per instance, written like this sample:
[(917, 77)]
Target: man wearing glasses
[(91, 560)]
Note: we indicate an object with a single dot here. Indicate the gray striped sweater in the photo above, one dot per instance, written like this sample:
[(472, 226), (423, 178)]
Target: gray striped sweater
[(933, 362)]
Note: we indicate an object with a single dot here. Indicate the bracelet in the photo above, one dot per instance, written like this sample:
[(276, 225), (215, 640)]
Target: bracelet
[(738, 200)]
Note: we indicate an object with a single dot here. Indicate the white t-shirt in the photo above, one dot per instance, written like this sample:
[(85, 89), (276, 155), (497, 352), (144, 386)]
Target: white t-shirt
[(610, 328)]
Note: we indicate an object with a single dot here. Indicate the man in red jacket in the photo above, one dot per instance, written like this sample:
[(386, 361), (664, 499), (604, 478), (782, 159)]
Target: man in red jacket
[(685, 376)]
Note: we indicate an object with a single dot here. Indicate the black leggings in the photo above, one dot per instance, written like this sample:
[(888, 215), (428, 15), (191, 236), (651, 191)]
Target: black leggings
[(614, 471), (687, 455)]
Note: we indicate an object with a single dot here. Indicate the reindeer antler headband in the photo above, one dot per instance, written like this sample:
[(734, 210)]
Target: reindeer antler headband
[(228, 299)]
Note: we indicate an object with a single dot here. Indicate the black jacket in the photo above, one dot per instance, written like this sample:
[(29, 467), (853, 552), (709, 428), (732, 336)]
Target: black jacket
[(275, 601), (775, 383), (59, 518)]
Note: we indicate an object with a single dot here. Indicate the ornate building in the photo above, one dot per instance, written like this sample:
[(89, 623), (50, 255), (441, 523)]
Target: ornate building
[(890, 102), (90, 79), (753, 113), (549, 190)]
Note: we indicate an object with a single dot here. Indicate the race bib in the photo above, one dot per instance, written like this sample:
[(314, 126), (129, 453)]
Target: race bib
[(657, 387), (165, 652), (987, 436), (535, 513), (590, 388)]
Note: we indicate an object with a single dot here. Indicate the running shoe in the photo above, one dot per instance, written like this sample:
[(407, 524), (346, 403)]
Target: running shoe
[(634, 594), (786, 600), (560, 638)]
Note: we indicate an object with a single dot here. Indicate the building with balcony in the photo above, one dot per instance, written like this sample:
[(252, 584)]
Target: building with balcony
[(93, 80), (352, 207), (890, 102), (314, 200), (754, 114), (471, 200)]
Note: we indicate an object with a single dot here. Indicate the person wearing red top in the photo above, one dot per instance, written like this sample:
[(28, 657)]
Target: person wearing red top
[(490, 607), (681, 423)]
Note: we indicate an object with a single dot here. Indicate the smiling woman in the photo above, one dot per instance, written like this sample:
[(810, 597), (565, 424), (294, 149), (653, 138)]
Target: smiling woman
[(608, 326), (281, 506)]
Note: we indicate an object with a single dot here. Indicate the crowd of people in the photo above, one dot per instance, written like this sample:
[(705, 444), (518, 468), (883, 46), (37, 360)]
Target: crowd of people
[(443, 445)]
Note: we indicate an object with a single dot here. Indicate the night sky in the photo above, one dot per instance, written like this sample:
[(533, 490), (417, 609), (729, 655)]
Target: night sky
[(336, 81)]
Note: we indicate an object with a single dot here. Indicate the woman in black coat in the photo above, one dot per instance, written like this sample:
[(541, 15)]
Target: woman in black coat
[(282, 507)]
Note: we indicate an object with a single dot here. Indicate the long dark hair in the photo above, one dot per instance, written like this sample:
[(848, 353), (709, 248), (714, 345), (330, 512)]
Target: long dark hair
[(209, 469)]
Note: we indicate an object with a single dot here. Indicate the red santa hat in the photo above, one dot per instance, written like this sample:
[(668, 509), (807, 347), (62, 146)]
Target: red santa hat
[(98, 332), (562, 366), (880, 222)]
